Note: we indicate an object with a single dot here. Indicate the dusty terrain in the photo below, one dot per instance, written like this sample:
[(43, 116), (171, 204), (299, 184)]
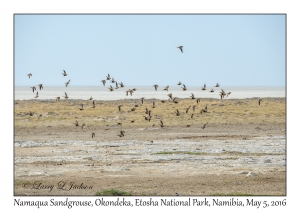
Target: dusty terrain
[(241, 150)]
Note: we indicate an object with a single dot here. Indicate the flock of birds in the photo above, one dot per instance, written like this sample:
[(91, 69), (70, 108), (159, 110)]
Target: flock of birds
[(131, 91)]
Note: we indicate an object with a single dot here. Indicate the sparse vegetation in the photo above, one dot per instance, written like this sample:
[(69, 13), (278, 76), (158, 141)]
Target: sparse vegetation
[(112, 192), (231, 153), (235, 194), (107, 113)]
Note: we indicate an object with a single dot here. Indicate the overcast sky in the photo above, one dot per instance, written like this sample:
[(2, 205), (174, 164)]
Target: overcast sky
[(141, 50)]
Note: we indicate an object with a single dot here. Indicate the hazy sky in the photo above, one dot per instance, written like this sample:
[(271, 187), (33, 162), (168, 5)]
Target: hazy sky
[(234, 50)]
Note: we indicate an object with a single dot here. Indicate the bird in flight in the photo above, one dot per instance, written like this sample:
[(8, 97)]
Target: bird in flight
[(180, 47), (161, 123), (166, 88), (33, 88), (121, 133), (40, 86), (121, 84), (155, 86), (37, 95), (67, 83), (66, 96), (64, 74), (103, 81), (111, 88), (29, 75), (184, 87), (192, 96)]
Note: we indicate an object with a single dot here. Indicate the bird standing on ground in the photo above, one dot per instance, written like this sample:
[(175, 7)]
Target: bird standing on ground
[(93, 104), (76, 123), (81, 107), (119, 107), (194, 107), (82, 126), (93, 135), (153, 104), (259, 101), (180, 47)]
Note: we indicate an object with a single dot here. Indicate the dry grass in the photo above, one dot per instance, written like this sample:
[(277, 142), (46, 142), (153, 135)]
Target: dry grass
[(106, 113)]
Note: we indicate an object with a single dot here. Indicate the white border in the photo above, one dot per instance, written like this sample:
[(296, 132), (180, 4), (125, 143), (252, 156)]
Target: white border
[(8, 8)]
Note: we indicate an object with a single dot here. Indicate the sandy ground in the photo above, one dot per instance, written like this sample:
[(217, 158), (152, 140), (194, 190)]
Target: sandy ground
[(222, 159)]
